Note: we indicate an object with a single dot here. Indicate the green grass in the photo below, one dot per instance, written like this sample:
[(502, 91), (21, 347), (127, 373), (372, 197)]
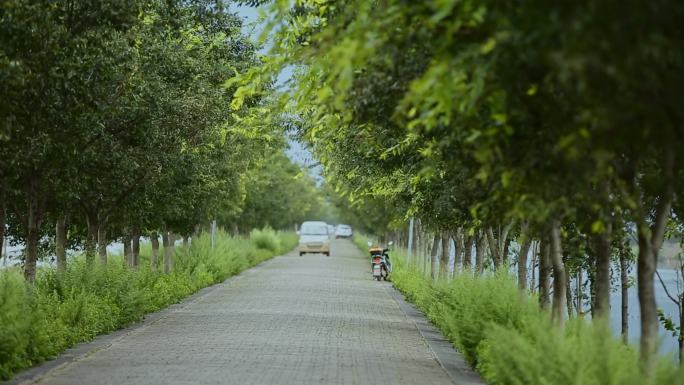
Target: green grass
[(39, 321), (511, 341)]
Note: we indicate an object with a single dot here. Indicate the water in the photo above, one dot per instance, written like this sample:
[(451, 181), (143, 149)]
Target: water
[(11, 253), (668, 343)]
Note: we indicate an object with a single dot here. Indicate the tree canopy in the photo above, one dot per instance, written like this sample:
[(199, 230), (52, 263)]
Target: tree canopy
[(116, 124), (557, 121)]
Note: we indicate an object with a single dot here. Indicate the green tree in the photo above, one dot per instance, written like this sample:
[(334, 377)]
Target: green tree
[(519, 111)]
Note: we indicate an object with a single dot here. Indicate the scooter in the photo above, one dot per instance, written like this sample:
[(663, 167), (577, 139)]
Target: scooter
[(381, 267)]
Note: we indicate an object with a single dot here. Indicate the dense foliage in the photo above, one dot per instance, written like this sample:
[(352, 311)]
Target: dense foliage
[(279, 194), (548, 123), (534, 130), (115, 124)]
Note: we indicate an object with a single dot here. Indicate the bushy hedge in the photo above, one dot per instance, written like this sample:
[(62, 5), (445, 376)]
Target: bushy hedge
[(40, 321), (266, 239), (511, 341)]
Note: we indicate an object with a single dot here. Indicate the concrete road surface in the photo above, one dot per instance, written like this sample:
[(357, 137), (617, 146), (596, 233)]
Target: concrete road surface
[(292, 320)]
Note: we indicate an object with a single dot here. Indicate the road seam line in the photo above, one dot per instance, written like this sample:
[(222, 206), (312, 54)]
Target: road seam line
[(449, 359)]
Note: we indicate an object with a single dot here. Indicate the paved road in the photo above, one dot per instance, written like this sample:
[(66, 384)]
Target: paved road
[(292, 320)]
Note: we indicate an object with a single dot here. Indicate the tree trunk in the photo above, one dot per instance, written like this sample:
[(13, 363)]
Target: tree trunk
[(479, 253), (624, 286), (493, 248), (32, 238), (32, 235), (60, 244), (434, 263), (646, 267), (468, 253), (154, 254), (186, 241), (34, 219), (522, 263), (522, 256), (544, 271), (504, 254), (169, 243), (498, 244), (459, 245), (444, 256), (649, 317), (102, 242), (681, 329), (579, 293), (602, 279), (3, 223), (559, 276), (172, 251), (568, 295), (91, 239), (416, 242), (135, 246), (536, 250), (427, 253), (650, 241), (128, 255)]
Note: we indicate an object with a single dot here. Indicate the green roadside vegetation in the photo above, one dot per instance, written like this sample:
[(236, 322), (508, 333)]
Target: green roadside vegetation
[(510, 340), (537, 134), (61, 309), (116, 128)]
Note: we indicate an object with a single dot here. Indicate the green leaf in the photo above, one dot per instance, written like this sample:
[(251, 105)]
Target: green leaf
[(598, 227), (488, 46)]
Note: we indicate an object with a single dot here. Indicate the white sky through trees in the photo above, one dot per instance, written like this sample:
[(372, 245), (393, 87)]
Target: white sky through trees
[(297, 151)]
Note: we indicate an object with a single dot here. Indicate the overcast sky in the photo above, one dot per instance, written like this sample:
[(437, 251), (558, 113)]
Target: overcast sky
[(296, 152)]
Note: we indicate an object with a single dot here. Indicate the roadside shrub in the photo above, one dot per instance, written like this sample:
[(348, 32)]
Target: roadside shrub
[(266, 239), (584, 353), (511, 341), (13, 326), (39, 321)]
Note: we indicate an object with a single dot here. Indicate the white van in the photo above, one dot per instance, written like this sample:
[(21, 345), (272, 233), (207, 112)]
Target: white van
[(343, 231), (314, 238)]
